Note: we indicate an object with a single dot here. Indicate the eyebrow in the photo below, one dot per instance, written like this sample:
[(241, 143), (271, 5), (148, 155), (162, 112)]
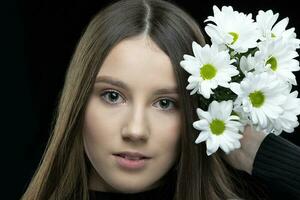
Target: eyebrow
[(118, 83)]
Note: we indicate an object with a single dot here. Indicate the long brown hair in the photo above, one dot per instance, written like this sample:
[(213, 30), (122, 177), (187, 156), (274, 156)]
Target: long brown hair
[(63, 170)]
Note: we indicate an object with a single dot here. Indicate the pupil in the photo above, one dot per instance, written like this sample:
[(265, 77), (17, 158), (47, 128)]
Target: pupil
[(113, 96), (164, 103)]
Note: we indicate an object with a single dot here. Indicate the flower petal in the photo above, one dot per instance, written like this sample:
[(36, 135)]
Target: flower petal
[(202, 137), (212, 145)]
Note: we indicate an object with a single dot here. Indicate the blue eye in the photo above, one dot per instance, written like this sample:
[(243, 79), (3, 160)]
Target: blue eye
[(111, 97), (167, 104)]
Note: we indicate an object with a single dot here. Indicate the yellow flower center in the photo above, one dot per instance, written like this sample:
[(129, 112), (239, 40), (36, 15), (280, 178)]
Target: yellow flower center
[(235, 37), (273, 62), (257, 98), (217, 126), (273, 35), (208, 71)]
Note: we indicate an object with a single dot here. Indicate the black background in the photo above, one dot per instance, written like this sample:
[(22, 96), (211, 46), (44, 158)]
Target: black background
[(38, 39)]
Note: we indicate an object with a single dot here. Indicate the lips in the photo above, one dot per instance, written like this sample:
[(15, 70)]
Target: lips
[(132, 155)]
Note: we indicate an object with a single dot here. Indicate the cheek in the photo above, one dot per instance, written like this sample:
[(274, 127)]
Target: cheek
[(170, 125), (98, 131), (168, 134), (93, 127), (99, 125)]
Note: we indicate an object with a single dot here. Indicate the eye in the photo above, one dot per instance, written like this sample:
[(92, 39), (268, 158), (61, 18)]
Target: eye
[(111, 97), (167, 104)]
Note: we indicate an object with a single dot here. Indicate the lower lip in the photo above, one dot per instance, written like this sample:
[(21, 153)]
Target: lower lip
[(130, 164)]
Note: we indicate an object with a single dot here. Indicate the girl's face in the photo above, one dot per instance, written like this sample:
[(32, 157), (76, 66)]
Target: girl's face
[(133, 108)]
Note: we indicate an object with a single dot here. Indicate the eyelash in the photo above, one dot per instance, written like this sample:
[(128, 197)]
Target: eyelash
[(103, 94)]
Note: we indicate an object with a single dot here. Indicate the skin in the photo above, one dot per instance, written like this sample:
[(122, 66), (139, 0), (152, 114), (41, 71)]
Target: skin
[(132, 119), (243, 158)]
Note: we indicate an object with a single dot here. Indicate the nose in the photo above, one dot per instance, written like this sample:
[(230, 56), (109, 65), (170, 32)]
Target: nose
[(136, 128)]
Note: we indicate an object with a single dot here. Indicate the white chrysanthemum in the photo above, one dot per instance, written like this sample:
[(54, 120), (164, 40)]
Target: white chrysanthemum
[(250, 63), (209, 68), (269, 30), (288, 120), (278, 58), (261, 97), (233, 29), (218, 127)]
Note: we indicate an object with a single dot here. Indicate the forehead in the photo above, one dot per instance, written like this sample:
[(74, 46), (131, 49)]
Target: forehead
[(140, 62)]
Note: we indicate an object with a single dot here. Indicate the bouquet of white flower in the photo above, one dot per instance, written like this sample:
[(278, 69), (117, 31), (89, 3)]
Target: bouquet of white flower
[(244, 77)]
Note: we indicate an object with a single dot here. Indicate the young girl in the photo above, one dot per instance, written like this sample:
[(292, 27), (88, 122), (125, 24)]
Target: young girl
[(124, 121)]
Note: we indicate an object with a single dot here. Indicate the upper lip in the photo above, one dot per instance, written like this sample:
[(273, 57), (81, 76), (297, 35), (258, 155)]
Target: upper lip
[(131, 154)]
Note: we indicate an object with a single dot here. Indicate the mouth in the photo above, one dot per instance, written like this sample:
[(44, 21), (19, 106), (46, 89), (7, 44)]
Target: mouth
[(132, 155), (131, 160)]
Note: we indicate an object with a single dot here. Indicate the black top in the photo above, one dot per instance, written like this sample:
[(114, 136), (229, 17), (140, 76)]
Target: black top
[(147, 195), (277, 164), (163, 192)]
